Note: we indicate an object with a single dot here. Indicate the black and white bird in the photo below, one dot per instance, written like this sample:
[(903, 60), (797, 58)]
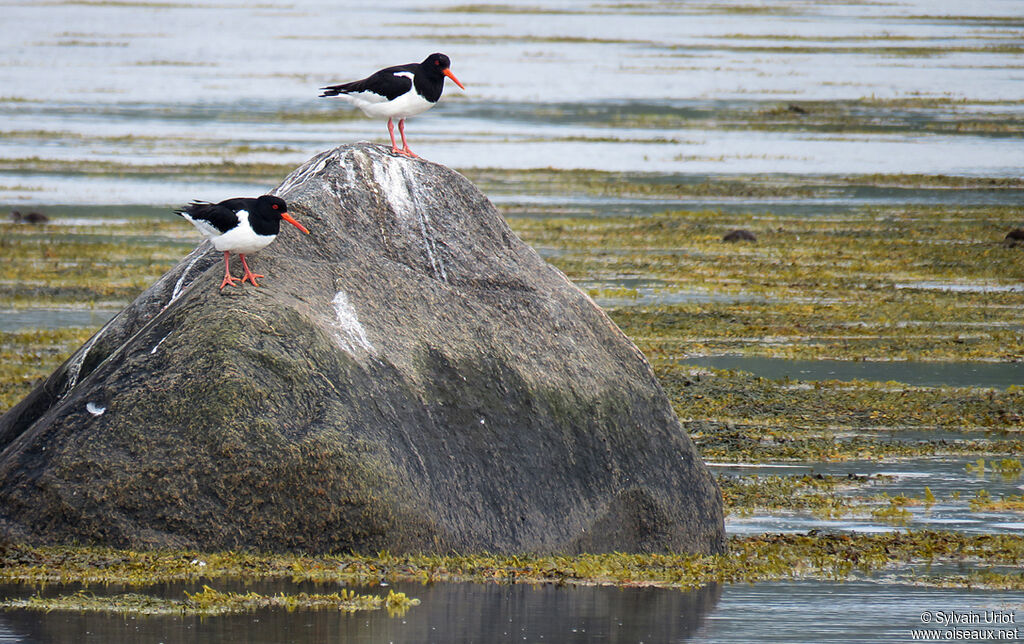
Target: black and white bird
[(398, 92), (241, 226)]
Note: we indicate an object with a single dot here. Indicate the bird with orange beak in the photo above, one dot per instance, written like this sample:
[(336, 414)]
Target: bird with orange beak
[(398, 92), (242, 226)]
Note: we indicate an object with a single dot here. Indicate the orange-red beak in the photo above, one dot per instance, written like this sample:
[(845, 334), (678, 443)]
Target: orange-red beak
[(450, 75), (292, 221)]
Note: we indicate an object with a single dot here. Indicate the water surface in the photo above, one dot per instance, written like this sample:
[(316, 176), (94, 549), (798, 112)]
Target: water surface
[(922, 374), (448, 613), (952, 480), (53, 318), (477, 613), (659, 88)]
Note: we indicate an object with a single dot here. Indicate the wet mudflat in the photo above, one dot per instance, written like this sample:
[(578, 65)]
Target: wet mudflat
[(855, 371)]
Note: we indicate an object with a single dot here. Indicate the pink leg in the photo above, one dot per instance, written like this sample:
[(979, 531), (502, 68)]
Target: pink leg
[(227, 272), (405, 145), (249, 275), (391, 131)]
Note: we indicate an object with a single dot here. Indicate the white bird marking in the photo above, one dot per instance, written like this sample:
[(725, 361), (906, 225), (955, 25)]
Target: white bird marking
[(94, 409), (205, 227), (241, 239), (377, 106)]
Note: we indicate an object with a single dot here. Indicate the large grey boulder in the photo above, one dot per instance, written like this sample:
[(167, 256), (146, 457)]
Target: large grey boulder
[(410, 377)]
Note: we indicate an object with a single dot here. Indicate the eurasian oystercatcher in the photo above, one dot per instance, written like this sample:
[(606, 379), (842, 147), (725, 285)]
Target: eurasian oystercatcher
[(241, 225), (398, 92)]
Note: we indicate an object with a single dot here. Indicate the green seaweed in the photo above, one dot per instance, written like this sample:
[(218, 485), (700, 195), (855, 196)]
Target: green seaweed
[(210, 602), (748, 559)]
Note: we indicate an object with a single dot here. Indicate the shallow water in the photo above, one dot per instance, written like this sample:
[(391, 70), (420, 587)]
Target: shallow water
[(664, 88), (923, 374), (465, 613), (843, 612), (447, 613), (53, 318), (945, 476)]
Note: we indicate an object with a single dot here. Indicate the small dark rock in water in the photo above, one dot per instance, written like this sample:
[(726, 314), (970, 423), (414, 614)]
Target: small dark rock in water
[(1015, 237), (30, 218), (739, 235), (796, 109), (415, 379)]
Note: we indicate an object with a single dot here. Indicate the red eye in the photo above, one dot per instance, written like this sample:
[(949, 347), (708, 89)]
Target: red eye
[(274, 206)]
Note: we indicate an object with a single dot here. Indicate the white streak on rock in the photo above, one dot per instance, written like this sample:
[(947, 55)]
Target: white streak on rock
[(157, 345), (428, 244), (94, 409), (352, 336), (394, 178), (75, 368), (301, 174), (390, 176), (179, 285), (348, 163)]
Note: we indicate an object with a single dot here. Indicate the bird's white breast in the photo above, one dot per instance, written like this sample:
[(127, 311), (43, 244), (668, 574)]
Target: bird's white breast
[(376, 106), (242, 238)]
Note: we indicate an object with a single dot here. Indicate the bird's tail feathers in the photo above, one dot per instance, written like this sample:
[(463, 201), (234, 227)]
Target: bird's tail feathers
[(337, 90), (188, 210)]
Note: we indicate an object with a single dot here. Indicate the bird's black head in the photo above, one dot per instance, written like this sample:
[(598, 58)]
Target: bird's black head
[(271, 205), (437, 63), (273, 209)]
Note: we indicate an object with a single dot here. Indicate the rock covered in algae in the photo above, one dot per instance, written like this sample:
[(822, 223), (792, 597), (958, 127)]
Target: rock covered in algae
[(410, 377)]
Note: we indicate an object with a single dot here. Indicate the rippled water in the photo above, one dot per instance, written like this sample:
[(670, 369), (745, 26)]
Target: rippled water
[(926, 374), (447, 613), (477, 613), (563, 85), (53, 318), (946, 477)]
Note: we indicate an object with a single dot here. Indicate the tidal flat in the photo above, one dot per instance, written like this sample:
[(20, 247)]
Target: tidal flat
[(749, 559), (853, 378), (880, 284), (907, 283)]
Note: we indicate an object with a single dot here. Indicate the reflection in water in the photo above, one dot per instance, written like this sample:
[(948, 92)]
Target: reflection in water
[(846, 612), (448, 613), (781, 611)]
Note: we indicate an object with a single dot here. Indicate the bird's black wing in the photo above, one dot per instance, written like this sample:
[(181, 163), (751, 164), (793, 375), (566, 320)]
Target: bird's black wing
[(219, 215), (387, 83)]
